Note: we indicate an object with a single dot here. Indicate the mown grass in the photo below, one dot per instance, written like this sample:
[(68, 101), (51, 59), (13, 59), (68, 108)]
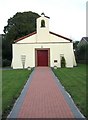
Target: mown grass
[(74, 81), (12, 84)]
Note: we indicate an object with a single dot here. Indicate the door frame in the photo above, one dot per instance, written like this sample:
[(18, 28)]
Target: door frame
[(36, 49)]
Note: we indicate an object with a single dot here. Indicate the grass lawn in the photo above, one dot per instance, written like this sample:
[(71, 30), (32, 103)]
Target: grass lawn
[(74, 81), (12, 84)]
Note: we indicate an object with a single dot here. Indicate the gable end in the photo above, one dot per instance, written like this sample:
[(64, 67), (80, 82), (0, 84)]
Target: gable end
[(25, 36), (36, 32), (61, 36)]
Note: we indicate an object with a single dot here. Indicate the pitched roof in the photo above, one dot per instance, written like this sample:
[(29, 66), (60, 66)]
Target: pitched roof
[(85, 38), (25, 36), (61, 36), (36, 32), (44, 15), (47, 17)]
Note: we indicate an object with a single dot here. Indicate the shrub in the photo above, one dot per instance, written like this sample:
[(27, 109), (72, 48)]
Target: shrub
[(6, 62), (63, 62)]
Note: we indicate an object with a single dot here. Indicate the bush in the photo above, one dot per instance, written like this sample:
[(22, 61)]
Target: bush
[(6, 62), (63, 62)]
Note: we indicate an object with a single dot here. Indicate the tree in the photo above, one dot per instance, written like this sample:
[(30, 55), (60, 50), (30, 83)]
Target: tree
[(19, 25), (75, 43)]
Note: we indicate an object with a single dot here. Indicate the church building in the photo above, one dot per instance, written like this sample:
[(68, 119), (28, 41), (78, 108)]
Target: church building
[(42, 48)]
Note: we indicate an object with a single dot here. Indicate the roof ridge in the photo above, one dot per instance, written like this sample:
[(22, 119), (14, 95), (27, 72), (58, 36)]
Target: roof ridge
[(21, 38)]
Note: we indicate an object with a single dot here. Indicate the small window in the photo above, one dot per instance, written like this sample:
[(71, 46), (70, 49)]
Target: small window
[(42, 23), (55, 61)]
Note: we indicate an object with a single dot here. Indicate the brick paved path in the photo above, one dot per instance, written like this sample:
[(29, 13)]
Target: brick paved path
[(43, 98)]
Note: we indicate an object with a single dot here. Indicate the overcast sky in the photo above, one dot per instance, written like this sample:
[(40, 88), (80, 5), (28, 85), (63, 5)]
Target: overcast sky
[(67, 17)]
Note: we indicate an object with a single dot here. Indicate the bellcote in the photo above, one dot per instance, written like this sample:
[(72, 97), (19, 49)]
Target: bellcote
[(42, 23)]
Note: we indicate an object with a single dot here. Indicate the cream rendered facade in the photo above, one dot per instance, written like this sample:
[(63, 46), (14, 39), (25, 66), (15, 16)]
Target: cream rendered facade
[(42, 39)]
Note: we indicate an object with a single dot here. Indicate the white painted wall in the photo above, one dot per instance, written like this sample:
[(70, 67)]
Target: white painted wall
[(54, 38), (29, 51), (43, 38), (38, 23), (31, 39), (23, 49)]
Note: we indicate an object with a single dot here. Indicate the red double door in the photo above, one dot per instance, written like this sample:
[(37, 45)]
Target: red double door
[(42, 57)]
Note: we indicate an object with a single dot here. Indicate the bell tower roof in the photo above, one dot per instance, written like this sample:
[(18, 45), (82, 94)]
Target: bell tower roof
[(43, 15)]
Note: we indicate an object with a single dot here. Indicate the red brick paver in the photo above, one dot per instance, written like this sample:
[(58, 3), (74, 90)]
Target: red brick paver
[(43, 98)]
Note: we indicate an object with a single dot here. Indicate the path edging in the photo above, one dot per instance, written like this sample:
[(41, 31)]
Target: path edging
[(69, 99)]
